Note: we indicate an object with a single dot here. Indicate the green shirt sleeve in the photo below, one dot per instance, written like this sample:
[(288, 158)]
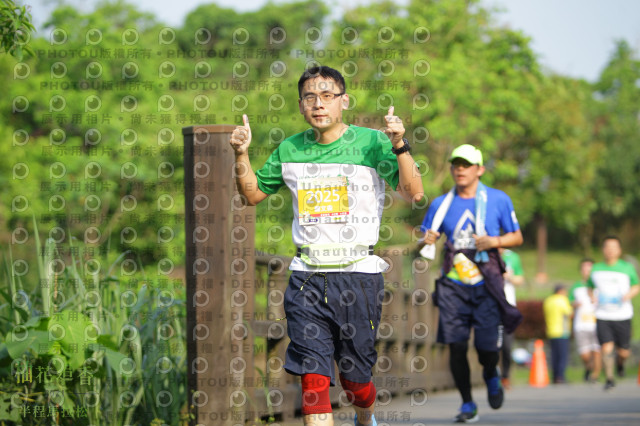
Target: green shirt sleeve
[(633, 275), (571, 290), (270, 175), (517, 265), (512, 260)]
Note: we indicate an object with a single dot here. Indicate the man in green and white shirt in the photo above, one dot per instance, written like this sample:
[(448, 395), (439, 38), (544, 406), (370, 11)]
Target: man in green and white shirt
[(336, 174), (614, 283)]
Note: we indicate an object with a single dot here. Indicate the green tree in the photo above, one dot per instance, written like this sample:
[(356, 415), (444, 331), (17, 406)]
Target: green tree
[(255, 60), (76, 118), (15, 29), (617, 128), (457, 79), (557, 163)]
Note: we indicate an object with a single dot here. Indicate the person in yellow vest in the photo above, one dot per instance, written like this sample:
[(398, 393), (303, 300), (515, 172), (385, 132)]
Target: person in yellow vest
[(557, 315)]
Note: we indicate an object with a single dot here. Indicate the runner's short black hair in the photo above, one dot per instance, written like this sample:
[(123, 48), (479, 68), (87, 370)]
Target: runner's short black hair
[(321, 71), (586, 260), (611, 237)]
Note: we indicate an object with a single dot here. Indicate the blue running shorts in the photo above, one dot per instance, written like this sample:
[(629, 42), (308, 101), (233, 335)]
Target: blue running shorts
[(333, 316), (463, 307)]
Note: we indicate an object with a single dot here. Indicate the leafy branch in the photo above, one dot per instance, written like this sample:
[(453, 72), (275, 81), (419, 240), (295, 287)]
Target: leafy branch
[(15, 29)]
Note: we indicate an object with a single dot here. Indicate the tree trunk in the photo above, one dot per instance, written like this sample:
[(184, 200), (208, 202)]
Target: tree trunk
[(541, 241), (585, 236)]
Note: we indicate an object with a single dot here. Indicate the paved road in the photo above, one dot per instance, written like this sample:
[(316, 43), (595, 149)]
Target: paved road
[(569, 404)]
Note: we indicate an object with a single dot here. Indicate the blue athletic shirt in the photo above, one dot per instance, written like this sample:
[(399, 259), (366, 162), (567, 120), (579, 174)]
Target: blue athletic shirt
[(459, 222)]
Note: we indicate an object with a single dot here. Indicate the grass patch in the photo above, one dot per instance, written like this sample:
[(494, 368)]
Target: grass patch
[(562, 267), (573, 374)]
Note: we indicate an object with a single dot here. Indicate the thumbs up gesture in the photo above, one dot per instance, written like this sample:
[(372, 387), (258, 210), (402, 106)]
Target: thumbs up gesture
[(241, 137), (394, 129)]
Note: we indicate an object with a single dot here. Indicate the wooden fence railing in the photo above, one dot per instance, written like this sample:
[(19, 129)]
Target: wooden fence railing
[(237, 343)]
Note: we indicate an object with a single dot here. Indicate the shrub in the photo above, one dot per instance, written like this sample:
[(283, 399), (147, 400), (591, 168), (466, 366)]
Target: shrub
[(533, 326), (84, 347)]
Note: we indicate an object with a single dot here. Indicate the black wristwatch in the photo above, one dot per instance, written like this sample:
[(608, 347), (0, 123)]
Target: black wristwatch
[(405, 148)]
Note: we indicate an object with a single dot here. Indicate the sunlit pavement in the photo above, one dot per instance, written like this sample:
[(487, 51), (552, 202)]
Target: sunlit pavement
[(567, 404)]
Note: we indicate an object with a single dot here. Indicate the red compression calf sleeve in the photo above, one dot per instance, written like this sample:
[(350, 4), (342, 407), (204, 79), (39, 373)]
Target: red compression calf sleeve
[(315, 394), (361, 395)]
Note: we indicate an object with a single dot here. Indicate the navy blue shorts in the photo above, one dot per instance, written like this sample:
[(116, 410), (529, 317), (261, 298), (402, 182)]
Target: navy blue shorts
[(462, 307), (342, 328)]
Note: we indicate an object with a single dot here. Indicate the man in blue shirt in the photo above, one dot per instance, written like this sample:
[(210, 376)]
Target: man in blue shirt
[(477, 220)]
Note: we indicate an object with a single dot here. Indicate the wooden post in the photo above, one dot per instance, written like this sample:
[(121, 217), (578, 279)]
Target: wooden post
[(426, 320), (219, 262)]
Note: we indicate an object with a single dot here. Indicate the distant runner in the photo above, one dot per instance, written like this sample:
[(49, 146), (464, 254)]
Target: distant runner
[(614, 283), (470, 293), (584, 324)]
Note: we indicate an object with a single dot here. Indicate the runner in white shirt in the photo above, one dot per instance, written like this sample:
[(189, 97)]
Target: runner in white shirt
[(614, 283), (584, 324)]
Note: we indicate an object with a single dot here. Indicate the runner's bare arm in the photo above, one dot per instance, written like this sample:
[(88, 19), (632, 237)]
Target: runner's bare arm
[(517, 280), (510, 239), (635, 289), (410, 184), (246, 179)]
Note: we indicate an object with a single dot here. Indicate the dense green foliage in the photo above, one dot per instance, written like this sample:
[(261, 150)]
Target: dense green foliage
[(92, 150), (85, 347), (95, 117), (15, 29)]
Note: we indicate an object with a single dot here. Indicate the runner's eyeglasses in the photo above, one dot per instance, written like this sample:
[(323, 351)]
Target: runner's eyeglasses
[(326, 98)]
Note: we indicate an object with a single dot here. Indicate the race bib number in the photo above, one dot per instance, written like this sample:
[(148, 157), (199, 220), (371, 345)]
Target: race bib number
[(588, 318), (464, 243), (467, 270), (609, 302), (323, 200)]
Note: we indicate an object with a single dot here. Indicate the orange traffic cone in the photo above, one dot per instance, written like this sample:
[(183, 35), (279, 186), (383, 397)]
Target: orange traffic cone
[(538, 375)]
